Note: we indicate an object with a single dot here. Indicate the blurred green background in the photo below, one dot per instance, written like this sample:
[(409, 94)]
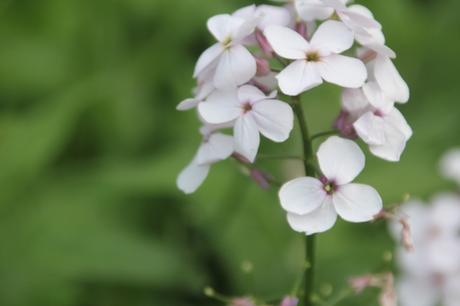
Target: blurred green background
[(91, 144)]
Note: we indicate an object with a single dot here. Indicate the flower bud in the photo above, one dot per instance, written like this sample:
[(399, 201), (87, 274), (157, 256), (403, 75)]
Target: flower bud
[(262, 179), (301, 28), (263, 67), (264, 44), (344, 125), (290, 301)]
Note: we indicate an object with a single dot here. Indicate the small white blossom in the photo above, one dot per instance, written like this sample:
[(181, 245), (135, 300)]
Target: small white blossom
[(227, 63), (201, 93), (316, 60), (313, 204), (252, 112), (214, 147), (450, 165)]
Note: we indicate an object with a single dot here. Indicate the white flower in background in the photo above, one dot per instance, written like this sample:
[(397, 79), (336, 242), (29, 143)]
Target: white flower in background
[(201, 93), (214, 147), (316, 60), (450, 165), (265, 15), (313, 204), (252, 112), (228, 63), (431, 273), (382, 126)]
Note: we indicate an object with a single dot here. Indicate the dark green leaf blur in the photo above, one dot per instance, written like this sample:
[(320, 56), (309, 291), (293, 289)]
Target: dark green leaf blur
[(91, 144)]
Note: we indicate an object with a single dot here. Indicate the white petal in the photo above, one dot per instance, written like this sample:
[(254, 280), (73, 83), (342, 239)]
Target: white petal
[(340, 159), (397, 120), (332, 37), (357, 203), (220, 107), (377, 98), (311, 10), (208, 58), (191, 178), (249, 93), (272, 15), (370, 128), (452, 290), (223, 26), (187, 104), (274, 118), (450, 165), (286, 42), (389, 79), (247, 138), (298, 77), (217, 147), (342, 70), (302, 195), (318, 221), (446, 213), (357, 20), (415, 291), (395, 143), (354, 101), (236, 66)]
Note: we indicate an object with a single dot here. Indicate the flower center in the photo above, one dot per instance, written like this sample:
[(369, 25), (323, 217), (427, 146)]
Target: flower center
[(227, 43), (247, 107), (378, 113), (329, 186), (313, 56)]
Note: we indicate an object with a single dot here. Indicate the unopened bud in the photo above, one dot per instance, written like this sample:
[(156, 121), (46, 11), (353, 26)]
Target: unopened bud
[(301, 28), (264, 44), (263, 67), (290, 301), (344, 125)]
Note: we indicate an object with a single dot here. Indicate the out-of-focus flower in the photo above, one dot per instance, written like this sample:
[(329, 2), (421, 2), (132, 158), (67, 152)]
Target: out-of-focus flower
[(450, 165), (290, 301), (242, 301), (253, 113), (385, 282), (312, 205), (316, 60)]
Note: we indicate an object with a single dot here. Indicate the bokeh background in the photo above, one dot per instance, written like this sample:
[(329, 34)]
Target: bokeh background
[(91, 144)]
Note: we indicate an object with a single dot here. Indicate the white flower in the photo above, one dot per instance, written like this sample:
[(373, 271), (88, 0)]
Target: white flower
[(432, 271), (316, 60), (312, 204), (201, 93), (228, 63), (450, 165), (382, 126), (265, 15), (311, 10), (214, 147), (252, 112)]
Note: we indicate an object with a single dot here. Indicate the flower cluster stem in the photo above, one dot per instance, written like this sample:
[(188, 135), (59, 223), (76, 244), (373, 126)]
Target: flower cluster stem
[(309, 171)]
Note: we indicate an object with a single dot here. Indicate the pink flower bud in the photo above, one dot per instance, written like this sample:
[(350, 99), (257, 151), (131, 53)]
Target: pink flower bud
[(290, 301), (243, 301), (406, 234), (240, 158), (388, 295), (344, 125), (359, 283), (264, 44), (301, 28), (263, 67)]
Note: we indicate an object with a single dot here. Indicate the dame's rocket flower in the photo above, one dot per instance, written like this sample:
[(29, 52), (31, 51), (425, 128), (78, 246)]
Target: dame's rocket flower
[(313, 204), (252, 112), (316, 60), (228, 63), (450, 165)]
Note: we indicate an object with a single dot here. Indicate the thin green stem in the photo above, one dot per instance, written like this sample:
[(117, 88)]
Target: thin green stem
[(309, 171), (323, 134), (268, 156)]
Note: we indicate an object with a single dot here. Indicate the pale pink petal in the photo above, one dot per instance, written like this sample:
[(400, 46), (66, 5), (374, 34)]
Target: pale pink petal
[(208, 58), (274, 118), (397, 120), (354, 101), (223, 26), (393, 147), (370, 128), (320, 220), (357, 203), (302, 195), (249, 93), (286, 42), (191, 178), (236, 66), (332, 37), (377, 98), (272, 15), (187, 104), (342, 70), (220, 107), (247, 138), (298, 77), (357, 20), (217, 147), (390, 81), (311, 10), (340, 160), (414, 291)]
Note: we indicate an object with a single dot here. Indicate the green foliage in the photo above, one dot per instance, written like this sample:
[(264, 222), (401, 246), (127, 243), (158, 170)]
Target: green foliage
[(90, 146)]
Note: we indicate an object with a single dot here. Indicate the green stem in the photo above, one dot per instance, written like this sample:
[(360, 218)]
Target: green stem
[(323, 134), (309, 171), (267, 156)]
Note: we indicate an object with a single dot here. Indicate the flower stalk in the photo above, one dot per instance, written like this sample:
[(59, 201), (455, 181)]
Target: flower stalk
[(310, 170)]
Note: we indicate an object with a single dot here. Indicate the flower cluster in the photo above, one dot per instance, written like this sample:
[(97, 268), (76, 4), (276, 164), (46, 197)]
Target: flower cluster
[(431, 272), (266, 54)]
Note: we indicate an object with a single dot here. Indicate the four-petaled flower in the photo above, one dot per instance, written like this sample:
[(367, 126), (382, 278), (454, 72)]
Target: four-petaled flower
[(252, 112), (313, 204), (316, 60)]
